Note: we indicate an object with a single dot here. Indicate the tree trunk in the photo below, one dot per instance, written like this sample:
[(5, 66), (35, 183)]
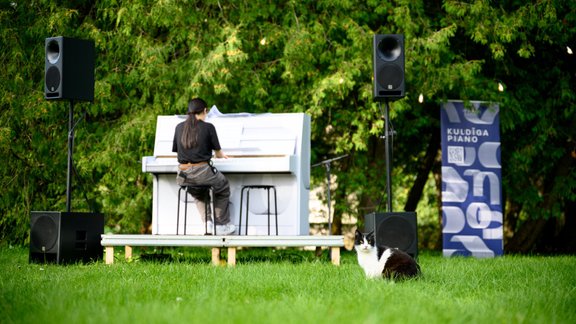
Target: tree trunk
[(436, 170), (423, 171), (371, 203), (566, 242), (526, 236), (337, 223), (536, 234)]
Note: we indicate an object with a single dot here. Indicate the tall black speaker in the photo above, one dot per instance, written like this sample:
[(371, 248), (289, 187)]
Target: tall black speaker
[(65, 237), (388, 65), (394, 229), (69, 69)]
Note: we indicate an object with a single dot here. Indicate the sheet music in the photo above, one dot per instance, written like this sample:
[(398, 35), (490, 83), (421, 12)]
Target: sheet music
[(215, 113)]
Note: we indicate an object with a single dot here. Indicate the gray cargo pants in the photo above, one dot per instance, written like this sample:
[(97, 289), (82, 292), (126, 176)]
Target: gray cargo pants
[(205, 174)]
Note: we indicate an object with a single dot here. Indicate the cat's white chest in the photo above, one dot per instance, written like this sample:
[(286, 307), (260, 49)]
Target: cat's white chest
[(369, 262)]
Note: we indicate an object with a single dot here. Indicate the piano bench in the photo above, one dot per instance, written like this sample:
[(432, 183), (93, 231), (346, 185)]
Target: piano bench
[(247, 188), (208, 203)]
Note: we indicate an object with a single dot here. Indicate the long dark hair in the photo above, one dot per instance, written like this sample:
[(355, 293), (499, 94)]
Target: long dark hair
[(189, 133)]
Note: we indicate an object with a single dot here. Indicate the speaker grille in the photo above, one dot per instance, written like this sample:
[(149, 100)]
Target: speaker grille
[(394, 229), (44, 234), (396, 232), (52, 79), (390, 77)]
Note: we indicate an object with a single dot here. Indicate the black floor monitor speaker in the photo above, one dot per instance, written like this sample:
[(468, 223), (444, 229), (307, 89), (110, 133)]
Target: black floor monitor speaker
[(394, 229), (65, 237)]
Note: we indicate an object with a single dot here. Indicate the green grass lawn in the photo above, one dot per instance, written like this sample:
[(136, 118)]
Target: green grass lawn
[(286, 286)]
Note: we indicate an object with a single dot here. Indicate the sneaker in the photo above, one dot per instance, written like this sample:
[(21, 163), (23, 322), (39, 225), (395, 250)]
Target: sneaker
[(210, 227), (225, 229)]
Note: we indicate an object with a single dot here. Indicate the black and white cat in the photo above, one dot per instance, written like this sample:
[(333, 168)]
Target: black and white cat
[(383, 261)]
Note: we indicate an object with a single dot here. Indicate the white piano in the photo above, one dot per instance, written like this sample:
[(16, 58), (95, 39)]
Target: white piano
[(271, 149)]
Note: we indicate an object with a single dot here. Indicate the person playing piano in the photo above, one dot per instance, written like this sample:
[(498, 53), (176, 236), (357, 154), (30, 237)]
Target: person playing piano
[(194, 141)]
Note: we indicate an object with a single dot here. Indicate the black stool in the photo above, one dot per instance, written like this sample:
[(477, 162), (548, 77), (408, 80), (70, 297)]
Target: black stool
[(247, 189), (208, 202)]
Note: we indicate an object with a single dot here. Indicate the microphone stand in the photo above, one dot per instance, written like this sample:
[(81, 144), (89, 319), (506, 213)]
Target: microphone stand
[(326, 163)]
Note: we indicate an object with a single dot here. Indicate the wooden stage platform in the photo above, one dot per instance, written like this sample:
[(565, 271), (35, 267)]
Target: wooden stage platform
[(231, 242)]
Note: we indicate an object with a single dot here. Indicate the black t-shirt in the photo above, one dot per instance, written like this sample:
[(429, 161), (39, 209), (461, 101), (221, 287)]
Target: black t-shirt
[(207, 141)]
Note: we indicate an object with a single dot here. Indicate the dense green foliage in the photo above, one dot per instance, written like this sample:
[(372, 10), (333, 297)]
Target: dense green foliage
[(286, 286), (291, 56)]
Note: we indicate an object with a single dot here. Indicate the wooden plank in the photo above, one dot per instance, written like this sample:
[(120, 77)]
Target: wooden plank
[(161, 240), (221, 241), (128, 252), (231, 256), (216, 256), (285, 240), (109, 254), (335, 255)]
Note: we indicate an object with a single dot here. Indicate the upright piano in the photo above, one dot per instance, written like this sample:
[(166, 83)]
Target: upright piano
[(265, 149)]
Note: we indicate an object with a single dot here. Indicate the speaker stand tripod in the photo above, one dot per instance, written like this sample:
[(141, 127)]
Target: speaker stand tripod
[(71, 128), (70, 153), (387, 154)]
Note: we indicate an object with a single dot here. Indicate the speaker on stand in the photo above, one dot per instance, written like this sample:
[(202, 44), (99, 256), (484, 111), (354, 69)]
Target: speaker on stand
[(394, 229), (69, 69), (63, 237), (391, 229), (388, 66), (388, 85), (67, 237)]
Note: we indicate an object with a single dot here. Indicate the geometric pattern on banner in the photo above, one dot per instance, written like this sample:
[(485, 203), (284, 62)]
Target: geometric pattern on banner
[(471, 180)]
